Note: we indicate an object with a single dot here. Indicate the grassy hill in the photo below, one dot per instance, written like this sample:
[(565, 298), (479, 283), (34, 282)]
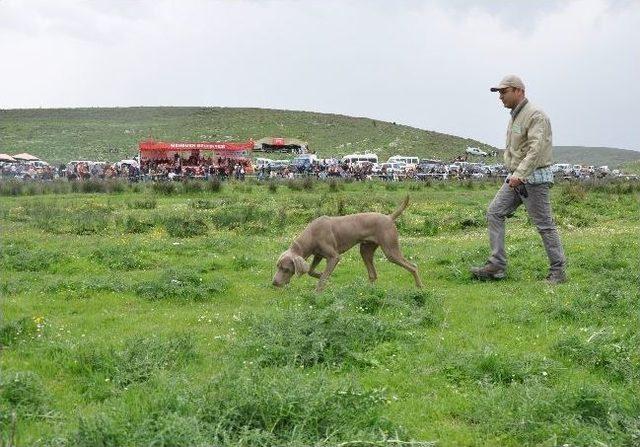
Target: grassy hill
[(110, 134), (596, 156)]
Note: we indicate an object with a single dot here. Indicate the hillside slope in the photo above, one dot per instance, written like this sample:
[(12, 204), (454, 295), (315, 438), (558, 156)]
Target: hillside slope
[(109, 134), (596, 156)]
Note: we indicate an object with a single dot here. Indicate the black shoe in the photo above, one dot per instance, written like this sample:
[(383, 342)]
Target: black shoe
[(554, 278), (488, 271)]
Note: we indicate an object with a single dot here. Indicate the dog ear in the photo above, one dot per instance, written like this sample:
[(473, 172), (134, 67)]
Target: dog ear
[(300, 265)]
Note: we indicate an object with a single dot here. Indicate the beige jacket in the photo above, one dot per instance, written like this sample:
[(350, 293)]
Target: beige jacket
[(528, 142)]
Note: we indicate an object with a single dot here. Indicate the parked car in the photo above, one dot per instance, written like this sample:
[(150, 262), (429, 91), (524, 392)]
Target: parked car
[(305, 160), (393, 168), (261, 162), (279, 165), (476, 151)]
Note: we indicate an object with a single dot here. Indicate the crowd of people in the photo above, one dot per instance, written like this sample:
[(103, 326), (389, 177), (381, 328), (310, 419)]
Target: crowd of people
[(197, 167)]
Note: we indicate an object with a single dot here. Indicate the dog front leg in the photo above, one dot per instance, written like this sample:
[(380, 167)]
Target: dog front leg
[(331, 264), (314, 264)]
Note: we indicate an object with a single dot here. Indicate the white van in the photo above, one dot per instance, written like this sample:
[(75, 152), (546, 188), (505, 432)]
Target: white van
[(367, 157), (410, 161)]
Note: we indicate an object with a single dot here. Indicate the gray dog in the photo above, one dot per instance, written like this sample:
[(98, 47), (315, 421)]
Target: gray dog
[(328, 237)]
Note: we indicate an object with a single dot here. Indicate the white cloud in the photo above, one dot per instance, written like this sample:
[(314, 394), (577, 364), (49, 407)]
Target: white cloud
[(423, 63)]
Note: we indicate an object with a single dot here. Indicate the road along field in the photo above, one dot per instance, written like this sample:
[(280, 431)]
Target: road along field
[(146, 316)]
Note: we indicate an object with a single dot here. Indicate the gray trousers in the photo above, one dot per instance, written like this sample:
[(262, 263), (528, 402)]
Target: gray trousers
[(538, 206)]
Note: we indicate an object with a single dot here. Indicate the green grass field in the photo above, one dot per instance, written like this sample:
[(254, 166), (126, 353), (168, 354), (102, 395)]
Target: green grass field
[(145, 316)]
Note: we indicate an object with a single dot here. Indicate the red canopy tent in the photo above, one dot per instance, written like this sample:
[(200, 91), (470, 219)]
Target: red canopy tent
[(160, 150)]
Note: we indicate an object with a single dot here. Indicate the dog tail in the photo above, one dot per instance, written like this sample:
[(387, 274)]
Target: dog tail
[(400, 209)]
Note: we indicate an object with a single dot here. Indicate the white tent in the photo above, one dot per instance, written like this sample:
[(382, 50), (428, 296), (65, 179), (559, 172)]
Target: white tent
[(25, 157), (6, 157)]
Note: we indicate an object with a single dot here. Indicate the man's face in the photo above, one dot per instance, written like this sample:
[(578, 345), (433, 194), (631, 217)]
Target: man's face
[(510, 97)]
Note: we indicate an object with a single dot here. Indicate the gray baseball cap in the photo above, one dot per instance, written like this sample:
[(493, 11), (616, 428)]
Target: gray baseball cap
[(509, 81)]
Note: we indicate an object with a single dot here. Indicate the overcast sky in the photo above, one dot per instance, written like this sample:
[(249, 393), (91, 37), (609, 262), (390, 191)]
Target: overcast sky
[(427, 64)]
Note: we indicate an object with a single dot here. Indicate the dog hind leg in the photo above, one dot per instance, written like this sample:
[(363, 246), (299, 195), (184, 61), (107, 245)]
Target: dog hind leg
[(367, 251)]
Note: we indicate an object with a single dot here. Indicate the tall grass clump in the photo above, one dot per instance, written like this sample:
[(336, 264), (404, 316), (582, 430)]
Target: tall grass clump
[(166, 188), (336, 330), (135, 361), (246, 407), (119, 258), (204, 204), (615, 354), (90, 220), (21, 259), (245, 215), (213, 185), (182, 286), (11, 188), (286, 407), (334, 185), (134, 225), (22, 329), (494, 367), (185, 226), (192, 186), (568, 414), (144, 203), (295, 184), (24, 393), (306, 337), (572, 192)]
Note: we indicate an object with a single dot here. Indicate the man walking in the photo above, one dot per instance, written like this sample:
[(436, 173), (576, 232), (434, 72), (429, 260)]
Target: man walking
[(528, 158)]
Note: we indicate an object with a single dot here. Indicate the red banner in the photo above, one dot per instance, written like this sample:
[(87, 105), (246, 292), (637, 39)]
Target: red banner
[(151, 149)]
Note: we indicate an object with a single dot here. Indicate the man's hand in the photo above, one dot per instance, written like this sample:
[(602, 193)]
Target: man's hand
[(514, 182)]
